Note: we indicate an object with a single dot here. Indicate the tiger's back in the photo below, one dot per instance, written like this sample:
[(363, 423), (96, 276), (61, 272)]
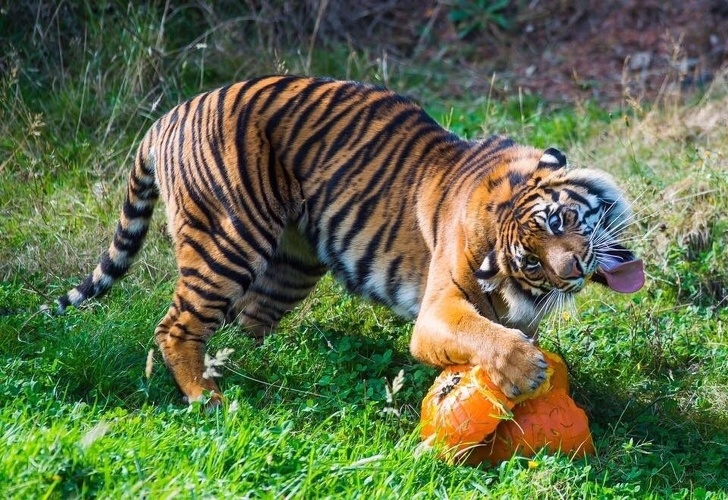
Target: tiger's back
[(349, 148), (330, 160), (269, 183)]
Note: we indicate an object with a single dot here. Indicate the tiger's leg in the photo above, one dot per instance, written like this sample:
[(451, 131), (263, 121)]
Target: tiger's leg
[(182, 336), (456, 325), (290, 276), (212, 277)]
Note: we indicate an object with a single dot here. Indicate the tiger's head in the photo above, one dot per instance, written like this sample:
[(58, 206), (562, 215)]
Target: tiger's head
[(559, 229)]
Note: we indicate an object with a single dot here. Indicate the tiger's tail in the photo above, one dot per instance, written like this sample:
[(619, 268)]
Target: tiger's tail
[(141, 195)]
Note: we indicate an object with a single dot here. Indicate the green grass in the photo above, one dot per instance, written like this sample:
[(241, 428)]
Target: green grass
[(308, 413)]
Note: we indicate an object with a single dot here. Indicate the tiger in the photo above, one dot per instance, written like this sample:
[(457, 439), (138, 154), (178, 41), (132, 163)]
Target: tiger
[(272, 182)]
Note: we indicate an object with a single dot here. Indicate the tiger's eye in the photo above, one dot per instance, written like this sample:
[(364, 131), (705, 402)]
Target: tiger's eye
[(555, 223), (532, 261)]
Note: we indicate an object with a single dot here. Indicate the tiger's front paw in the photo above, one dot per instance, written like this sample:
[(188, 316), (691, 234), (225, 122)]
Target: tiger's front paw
[(514, 364)]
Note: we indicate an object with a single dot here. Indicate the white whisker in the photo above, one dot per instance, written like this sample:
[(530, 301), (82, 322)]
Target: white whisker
[(609, 238), (618, 223), (695, 195), (543, 308), (633, 217), (609, 243), (554, 300)]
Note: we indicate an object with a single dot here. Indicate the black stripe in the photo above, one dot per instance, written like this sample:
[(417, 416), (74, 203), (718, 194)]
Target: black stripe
[(369, 156), (476, 162), (292, 108), (476, 158), (191, 272), (281, 297), (534, 196), (293, 277), (232, 250), (190, 219), (302, 118), (310, 268), (576, 196), (325, 129), (240, 98), (515, 179), (462, 290), (279, 192), (275, 90), (221, 192), (376, 178), (242, 230), (63, 303), (256, 319), (369, 255), (591, 211), (380, 182), (87, 288), (208, 295), (185, 334), (128, 242), (257, 195), (585, 184), (243, 279), (432, 152), (269, 187), (108, 266), (495, 182), (132, 212), (202, 167), (489, 298), (393, 278), (372, 105), (394, 225), (215, 136), (343, 97), (284, 281)]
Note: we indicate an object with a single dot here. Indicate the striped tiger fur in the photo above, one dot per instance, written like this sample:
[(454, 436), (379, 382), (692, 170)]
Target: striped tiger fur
[(271, 182)]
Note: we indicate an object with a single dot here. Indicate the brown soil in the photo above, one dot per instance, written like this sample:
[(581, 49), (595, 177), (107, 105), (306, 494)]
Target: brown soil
[(572, 50)]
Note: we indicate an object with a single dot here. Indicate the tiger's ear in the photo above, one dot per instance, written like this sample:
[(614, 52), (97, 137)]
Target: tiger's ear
[(489, 273), (552, 159)]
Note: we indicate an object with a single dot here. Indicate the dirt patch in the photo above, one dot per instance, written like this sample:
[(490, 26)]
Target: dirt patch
[(562, 50), (606, 51)]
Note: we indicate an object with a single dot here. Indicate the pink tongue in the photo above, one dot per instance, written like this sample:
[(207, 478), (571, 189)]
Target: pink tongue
[(626, 277)]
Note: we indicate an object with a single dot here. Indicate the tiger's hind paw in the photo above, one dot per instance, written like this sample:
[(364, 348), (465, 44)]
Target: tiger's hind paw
[(208, 401)]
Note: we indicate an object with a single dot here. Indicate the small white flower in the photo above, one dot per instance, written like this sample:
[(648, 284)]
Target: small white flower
[(150, 364), (391, 391), (212, 363), (398, 382), (94, 434)]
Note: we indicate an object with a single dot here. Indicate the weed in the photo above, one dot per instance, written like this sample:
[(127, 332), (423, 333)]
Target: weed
[(480, 15)]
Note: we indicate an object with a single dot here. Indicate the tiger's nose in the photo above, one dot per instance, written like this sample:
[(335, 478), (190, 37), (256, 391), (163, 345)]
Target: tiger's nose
[(572, 269)]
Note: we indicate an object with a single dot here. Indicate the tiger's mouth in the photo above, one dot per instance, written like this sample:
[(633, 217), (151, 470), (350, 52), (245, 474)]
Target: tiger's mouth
[(620, 270)]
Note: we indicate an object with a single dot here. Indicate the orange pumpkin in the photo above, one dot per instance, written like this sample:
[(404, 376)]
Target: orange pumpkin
[(559, 378), (462, 407), (467, 413), (552, 421)]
